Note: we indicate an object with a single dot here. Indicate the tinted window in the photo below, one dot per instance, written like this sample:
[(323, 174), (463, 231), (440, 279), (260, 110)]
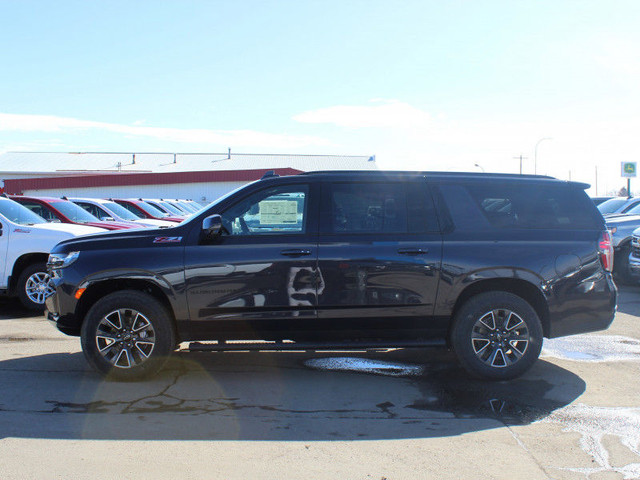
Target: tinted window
[(274, 210), (378, 208), (40, 210), (534, 206), (74, 213), (132, 209), (120, 211)]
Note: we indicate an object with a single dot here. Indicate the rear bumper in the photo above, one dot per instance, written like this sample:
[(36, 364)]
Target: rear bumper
[(589, 306)]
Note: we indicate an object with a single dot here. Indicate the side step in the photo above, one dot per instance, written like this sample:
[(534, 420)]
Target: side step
[(230, 346)]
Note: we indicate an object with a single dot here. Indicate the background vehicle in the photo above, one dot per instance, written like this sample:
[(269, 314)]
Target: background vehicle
[(487, 263), (166, 207), (145, 210), (618, 205), (25, 242), (108, 210), (598, 200), (65, 211)]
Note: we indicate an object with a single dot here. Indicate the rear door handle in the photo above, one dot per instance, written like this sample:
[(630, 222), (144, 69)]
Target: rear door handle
[(295, 252), (413, 251)]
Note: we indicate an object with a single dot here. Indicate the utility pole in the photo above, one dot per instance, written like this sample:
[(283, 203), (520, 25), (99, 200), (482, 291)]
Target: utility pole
[(521, 158)]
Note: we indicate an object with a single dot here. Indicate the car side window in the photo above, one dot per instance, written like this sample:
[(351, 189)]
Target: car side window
[(376, 207), (40, 210), (277, 210)]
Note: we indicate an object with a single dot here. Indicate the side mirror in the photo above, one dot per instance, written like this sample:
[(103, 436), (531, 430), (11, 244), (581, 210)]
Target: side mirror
[(212, 225)]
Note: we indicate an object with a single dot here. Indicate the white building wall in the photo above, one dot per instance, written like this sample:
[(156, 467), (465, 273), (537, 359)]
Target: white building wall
[(200, 192)]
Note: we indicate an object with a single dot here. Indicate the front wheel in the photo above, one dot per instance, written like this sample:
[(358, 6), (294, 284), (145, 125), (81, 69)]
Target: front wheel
[(496, 335), (34, 286), (127, 335)]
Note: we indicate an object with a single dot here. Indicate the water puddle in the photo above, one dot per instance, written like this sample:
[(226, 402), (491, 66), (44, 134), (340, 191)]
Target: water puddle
[(593, 348), (364, 365), (593, 423)]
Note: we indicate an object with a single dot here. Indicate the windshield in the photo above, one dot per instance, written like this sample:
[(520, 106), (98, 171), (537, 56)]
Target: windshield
[(74, 212), (120, 211), (186, 206), (633, 211), (151, 210), (611, 205), (19, 214), (171, 208)]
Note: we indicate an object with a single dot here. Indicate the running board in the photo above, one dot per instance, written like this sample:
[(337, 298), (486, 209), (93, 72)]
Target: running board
[(223, 346)]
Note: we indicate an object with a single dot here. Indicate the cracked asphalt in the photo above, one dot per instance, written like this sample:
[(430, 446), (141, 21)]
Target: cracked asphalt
[(404, 414)]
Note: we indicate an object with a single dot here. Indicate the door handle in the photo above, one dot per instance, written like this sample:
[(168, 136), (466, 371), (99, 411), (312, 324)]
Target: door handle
[(295, 252), (413, 251)]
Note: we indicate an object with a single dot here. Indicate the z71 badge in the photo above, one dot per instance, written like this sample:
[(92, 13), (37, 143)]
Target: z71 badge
[(167, 240)]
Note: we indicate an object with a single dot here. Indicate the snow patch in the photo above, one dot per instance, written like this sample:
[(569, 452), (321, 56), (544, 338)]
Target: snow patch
[(363, 365)]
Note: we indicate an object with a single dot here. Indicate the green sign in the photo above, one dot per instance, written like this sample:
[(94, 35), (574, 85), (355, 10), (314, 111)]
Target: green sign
[(629, 169)]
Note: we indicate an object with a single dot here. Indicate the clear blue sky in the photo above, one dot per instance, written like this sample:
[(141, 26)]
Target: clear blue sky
[(421, 84)]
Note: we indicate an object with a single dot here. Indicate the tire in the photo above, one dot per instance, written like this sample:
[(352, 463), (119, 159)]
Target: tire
[(496, 335), (128, 335), (621, 270), (34, 286)]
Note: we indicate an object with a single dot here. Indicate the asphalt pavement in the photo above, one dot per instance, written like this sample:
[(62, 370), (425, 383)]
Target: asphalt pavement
[(403, 414)]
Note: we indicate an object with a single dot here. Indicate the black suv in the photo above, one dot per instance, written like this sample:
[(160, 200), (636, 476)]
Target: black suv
[(487, 264)]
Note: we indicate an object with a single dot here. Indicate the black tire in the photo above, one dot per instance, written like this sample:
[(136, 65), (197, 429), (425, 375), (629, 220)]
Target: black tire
[(33, 286), (505, 351), (128, 335), (621, 270)]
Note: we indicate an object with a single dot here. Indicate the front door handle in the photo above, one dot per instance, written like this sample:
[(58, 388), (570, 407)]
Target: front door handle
[(295, 252), (413, 251)]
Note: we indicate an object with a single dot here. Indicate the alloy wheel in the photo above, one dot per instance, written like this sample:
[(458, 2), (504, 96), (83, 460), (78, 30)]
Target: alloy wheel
[(38, 287), (125, 338), (500, 338)]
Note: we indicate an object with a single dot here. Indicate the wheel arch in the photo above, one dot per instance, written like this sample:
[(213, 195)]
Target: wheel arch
[(96, 290), (23, 262), (522, 288)]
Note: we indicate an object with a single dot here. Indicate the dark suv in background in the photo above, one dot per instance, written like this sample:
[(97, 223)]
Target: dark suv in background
[(485, 263)]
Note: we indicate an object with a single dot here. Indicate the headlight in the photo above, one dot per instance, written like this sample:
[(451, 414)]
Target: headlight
[(61, 260)]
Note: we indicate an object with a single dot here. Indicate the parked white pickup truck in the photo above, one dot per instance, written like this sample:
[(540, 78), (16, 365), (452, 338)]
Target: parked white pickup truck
[(25, 242)]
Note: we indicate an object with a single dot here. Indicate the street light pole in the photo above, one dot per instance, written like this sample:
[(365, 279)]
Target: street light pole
[(520, 157), (535, 156), (479, 166)]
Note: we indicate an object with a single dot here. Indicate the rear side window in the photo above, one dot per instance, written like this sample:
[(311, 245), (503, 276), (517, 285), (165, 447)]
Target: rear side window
[(378, 207), (534, 206)]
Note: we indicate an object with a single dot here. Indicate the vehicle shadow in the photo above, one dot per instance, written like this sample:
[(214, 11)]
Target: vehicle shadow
[(11, 309), (274, 396), (629, 299)]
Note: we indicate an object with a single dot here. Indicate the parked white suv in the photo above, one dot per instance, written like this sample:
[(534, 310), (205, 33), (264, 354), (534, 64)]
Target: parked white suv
[(25, 242)]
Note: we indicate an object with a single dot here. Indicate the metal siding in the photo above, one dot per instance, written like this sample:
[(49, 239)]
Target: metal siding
[(200, 192)]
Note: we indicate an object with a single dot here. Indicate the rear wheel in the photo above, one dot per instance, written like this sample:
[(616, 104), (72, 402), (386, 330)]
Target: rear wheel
[(127, 335), (34, 286), (496, 335)]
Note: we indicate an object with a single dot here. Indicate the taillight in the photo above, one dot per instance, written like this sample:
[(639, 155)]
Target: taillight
[(605, 248)]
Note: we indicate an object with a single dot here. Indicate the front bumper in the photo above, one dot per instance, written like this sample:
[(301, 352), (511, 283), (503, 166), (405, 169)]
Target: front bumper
[(64, 321)]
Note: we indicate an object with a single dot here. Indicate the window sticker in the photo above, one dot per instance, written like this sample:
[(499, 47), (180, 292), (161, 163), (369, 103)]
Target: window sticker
[(278, 212)]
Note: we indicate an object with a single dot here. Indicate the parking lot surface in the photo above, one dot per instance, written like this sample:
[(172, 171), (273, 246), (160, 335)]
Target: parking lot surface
[(402, 414)]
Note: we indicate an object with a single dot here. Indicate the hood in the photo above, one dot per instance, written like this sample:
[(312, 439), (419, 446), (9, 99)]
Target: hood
[(152, 222), (68, 227), (131, 238), (112, 225)]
